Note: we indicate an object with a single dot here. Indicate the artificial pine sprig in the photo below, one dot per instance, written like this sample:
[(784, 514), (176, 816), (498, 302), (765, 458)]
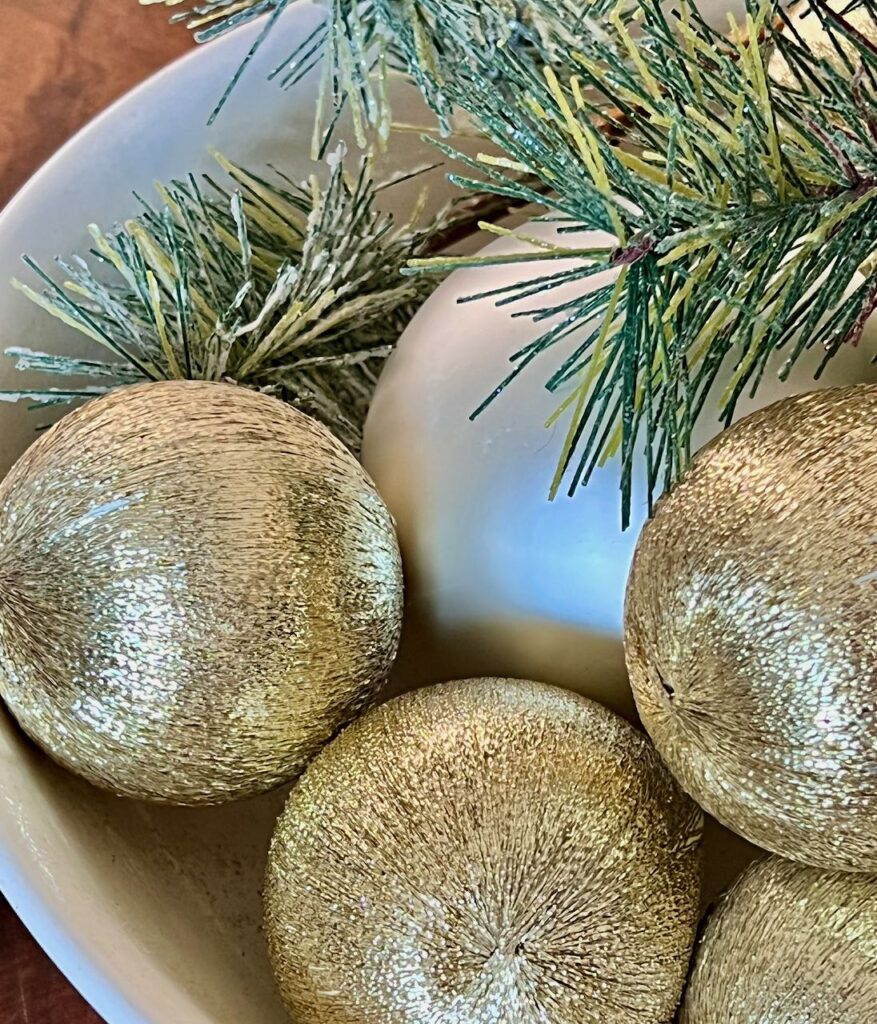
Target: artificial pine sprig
[(293, 290), (743, 205), (361, 42)]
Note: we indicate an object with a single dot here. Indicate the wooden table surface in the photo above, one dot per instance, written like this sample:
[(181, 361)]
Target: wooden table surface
[(61, 62)]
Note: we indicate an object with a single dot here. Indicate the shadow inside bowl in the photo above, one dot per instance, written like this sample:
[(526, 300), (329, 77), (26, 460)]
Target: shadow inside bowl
[(179, 886)]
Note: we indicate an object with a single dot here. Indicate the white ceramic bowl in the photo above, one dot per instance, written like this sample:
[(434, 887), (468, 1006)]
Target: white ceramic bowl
[(152, 912)]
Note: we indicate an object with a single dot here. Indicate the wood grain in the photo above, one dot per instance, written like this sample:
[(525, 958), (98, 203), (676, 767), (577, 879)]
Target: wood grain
[(61, 62), (32, 991)]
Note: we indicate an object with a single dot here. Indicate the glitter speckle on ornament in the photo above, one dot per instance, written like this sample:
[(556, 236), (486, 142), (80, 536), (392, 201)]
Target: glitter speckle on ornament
[(788, 944), (198, 586), (750, 631), (484, 852)]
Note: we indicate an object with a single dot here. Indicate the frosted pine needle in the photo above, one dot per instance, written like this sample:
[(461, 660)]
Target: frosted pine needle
[(742, 200), (293, 290), (361, 42)]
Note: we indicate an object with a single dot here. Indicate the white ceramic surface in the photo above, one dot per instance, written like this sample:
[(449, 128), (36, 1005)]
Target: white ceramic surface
[(152, 912)]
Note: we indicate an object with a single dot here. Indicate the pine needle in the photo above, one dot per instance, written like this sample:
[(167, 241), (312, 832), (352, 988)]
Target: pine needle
[(361, 42), (293, 290), (744, 202)]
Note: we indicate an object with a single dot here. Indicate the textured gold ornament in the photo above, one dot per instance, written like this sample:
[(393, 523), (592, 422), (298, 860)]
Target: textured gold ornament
[(788, 945), (484, 852), (198, 585), (751, 635)]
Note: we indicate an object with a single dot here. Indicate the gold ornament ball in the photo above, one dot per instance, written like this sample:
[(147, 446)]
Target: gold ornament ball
[(198, 586), (484, 852), (751, 635), (788, 945)]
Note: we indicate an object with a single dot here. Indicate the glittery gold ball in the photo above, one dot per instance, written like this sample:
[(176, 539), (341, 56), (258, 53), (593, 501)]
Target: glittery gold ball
[(198, 585), (484, 852), (751, 634), (788, 945)]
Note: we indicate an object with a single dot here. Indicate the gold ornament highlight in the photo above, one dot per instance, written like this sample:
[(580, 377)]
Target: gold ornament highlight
[(198, 585), (788, 944), (751, 638), (484, 852)]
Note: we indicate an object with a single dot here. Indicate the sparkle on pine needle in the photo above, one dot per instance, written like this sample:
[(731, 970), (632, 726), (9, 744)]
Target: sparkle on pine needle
[(293, 290), (360, 44), (741, 198)]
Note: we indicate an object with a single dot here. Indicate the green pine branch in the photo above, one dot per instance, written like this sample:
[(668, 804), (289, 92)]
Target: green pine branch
[(737, 173), (361, 42), (293, 290), (742, 200)]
